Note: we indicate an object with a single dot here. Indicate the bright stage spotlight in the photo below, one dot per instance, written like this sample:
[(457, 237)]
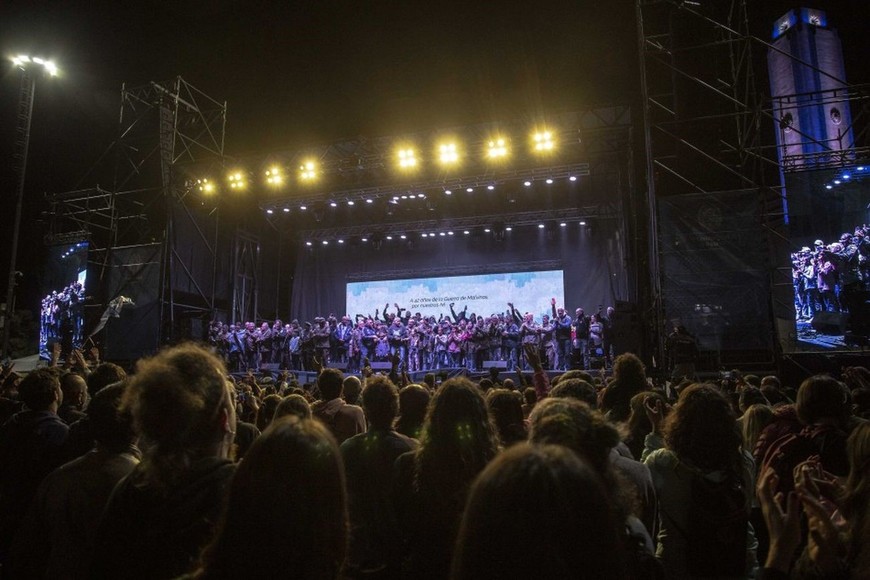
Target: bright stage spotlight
[(543, 141), (448, 153), (497, 148), (407, 158), (274, 176), (237, 180), (205, 186), (308, 170)]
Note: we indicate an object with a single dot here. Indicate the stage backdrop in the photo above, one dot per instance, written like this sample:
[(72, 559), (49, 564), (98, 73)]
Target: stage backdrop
[(483, 294), (591, 258)]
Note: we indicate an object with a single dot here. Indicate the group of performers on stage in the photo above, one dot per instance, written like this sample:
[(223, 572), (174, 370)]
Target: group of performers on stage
[(832, 277), (62, 316), (421, 343)]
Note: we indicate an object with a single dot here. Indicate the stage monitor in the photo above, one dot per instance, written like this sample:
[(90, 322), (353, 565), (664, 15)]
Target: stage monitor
[(482, 294), (829, 223), (62, 308)]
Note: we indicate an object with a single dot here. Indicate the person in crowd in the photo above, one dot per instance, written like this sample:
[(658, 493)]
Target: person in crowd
[(629, 379), (431, 484), (57, 537), (343, 420), (754, 420), (368, 460), (506, 409), (294, 404), (31, 447), (572, 423), (704, 484), (351, 389), (638, 422), (161, 515), (530, 399), (286, 510), (75, 398), (681, 351), (575, 531), (413, 401), (266, 411), (576, 389)]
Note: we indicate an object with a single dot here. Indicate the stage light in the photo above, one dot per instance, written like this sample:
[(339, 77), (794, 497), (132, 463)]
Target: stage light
[(829, 186), (404, 197), (860, 168), (404, 237), (308, 244), (466, 232), (469, 189), (582, 223), (350, 202), (421, 195), (527, 183), (508, 228), (448, 153), (490, 187), (308, 170), (412, 196), (432, 235), (543, 141), (286, 210), (270, 212), (487, 230), (303, 207), (549, 182), (846, 176), (237, 180), (424, 234), (837, 182), (369, 201), (562, 224), (540, 226), (497, 148), (389, 237), (407, 158), (205, 186), (274, 176), (325, 242), (448, 192), (340, 241), (364, 239), (449, 233), (333, 204), (572, 178), (395, 198), (442, 234)]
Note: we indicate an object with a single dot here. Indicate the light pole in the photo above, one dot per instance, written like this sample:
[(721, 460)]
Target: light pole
[(29, 67)]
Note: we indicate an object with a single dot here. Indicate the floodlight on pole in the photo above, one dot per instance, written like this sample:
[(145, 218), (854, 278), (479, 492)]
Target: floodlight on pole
[(29, 67)]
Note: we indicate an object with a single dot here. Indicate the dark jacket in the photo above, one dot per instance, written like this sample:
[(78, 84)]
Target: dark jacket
[(152, 533)]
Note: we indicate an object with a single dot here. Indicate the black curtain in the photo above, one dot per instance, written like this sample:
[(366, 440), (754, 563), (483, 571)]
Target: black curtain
[(592, 257)]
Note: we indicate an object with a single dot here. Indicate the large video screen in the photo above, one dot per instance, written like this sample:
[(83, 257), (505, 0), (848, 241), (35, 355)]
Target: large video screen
[(62, 309), (483, 294), (830, 257)]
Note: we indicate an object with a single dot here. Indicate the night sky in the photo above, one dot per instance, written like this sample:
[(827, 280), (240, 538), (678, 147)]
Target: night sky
[(305, 73)]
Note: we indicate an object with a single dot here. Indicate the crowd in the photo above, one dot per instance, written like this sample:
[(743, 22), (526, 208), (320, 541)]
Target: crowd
[(61, 315), (832, 277), (178, 470), (461, 340)]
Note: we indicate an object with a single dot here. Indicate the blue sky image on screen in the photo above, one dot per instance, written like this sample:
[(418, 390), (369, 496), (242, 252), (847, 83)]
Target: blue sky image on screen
[(484, 294)]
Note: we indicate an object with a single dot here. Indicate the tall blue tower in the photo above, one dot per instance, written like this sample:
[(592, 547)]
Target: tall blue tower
[(809, 92)]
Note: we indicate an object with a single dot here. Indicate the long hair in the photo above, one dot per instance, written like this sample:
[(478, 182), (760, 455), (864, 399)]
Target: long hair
[(548, 490), (755, 419), (176, 399), (457, 442), (413, 402), (856, 498), (286, 512), (702, 430)]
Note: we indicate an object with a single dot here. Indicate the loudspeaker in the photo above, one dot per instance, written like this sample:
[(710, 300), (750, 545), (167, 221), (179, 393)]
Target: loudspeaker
[(495, 364), (832, 323)]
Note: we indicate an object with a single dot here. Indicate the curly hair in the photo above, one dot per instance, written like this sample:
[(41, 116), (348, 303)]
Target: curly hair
[(458, 440), (176, 399), (702, 429), (628, 369)]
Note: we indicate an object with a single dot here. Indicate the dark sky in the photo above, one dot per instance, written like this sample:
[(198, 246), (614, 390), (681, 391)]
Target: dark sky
[(312, 72)]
